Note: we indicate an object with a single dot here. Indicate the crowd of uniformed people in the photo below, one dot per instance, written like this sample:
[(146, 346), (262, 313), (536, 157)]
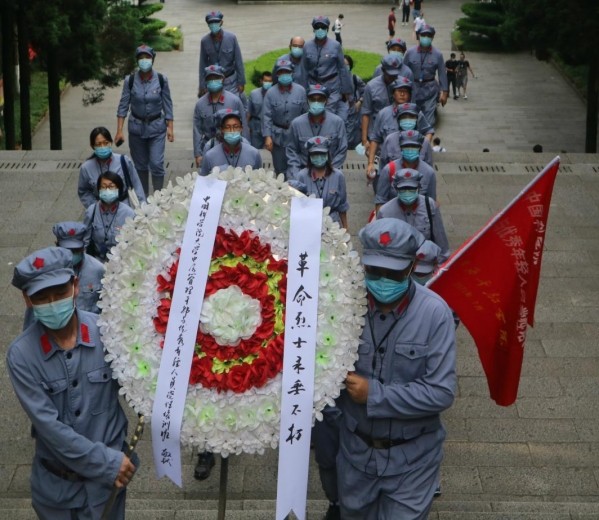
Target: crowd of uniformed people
[(379, 450)]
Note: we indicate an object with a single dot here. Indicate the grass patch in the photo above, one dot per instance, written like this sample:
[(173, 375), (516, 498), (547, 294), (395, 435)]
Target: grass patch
[(364, 64), (577, 74), (168, 39), (38, 104)]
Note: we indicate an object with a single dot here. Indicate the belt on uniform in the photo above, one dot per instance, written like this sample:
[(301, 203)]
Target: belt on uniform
[(148, 119), (229, 74), (284, 127), (64, 474), (327, 78), (426, 80), (380, 444)]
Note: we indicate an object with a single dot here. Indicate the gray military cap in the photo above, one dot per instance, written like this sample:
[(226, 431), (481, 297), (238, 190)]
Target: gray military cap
[(427, 257), (70, 234), (390, 243), (44, 268)]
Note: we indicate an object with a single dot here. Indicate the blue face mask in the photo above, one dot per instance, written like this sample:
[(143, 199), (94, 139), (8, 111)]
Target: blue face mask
[(266, 85), (285, 79), (55, 315), (407, 197), (108, 196), (425, 41), (232, 137), (214, 27), (421, 279), (407, 124), (297, 52), (319, 159), (103, 152), (399, 55), (214, 85), (77, 258), (316, 107), (145, 64), (410, 154), (385, 290), (320, 34)]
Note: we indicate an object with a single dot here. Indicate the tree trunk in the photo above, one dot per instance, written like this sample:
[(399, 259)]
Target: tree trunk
[(8, 73), (592, 106), (54, 99), (24, 78)]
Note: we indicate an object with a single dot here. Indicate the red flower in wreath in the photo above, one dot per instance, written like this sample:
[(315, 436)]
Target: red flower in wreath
[(245, 263)]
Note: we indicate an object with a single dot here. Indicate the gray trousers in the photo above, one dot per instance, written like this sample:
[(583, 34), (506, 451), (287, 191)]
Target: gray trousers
[(83, 513)]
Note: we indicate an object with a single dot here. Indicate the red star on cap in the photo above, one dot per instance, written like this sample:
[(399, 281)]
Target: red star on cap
[(71, 231), (385, 238), (38, 263), (407, 175), (420, 255), (318, 140)]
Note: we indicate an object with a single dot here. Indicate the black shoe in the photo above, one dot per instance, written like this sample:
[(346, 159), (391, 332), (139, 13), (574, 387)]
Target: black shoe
[(204, 465), (437, 492), (333, 513), (456, 97)]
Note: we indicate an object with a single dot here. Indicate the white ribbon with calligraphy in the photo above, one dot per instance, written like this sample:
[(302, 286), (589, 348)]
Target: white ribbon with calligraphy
[(179, 342), (297, 387)]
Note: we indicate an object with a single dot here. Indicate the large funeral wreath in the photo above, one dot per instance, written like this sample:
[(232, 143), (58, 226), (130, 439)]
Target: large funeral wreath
[(233, 397)]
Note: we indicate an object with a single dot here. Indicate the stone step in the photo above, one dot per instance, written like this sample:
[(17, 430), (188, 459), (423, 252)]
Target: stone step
[(185, 509)]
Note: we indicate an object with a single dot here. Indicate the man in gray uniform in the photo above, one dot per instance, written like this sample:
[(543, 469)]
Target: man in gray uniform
[(378, 95), (426, 63), (285, 101), (295, 54), (232, 151), (147, 96), (407, 117), (217, 98), (317, 121), (324, 64), (89, 270), (417, 210), (389, 118), (391, 443), (65, 386), (255, 105), (396, 47), (220, 47), (410, 143)]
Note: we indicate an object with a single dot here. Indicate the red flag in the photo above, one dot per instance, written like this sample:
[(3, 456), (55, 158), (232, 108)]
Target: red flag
[(491, 282)]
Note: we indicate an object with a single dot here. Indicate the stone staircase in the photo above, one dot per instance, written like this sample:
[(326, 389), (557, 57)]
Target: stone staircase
[(538, 459)]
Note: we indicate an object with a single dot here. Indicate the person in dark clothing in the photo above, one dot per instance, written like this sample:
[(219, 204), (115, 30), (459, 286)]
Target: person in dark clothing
[(451, 65)]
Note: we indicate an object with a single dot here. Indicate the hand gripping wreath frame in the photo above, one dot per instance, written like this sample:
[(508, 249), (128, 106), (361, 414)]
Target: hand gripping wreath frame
[(222, 420)]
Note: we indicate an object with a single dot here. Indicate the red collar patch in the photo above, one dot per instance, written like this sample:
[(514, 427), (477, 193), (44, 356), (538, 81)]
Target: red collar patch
[(46, 345), (84, 333)]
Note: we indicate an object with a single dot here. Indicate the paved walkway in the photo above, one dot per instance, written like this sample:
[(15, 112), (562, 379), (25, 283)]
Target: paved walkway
[(516, 102)]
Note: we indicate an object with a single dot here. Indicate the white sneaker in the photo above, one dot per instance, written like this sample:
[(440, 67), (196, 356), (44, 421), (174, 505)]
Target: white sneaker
[(465, 96)]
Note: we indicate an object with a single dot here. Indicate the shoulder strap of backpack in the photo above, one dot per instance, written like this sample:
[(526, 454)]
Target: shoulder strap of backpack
[(430, 216), (160, 80), (126, 173)]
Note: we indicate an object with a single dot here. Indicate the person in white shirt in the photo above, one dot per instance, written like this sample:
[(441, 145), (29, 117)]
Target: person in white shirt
[(418, 23)]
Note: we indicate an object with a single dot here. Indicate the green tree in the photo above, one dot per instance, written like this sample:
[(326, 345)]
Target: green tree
[(570, 29)]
